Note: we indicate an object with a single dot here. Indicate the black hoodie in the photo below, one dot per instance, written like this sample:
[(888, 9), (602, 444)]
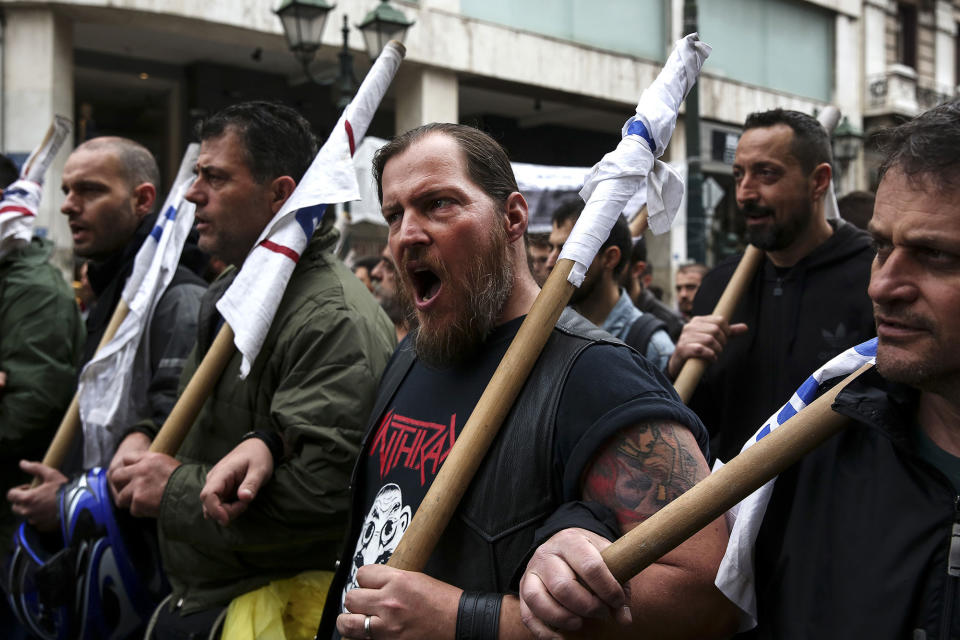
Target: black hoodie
[(797, 318)]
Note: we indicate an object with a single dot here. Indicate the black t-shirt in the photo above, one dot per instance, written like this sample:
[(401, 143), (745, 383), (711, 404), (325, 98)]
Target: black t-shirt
[(609, 388)]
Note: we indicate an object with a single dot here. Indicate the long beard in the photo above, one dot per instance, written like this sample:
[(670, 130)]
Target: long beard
[(480, 296)]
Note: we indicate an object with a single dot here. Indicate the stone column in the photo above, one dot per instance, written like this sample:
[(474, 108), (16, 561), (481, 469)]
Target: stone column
[(38, 83), (425, 95), (945, 48)]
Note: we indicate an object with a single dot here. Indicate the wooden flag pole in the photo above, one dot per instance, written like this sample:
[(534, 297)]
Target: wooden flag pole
[(69, 427), (714, 495), (477, 435), (638, 226), (181, 418), (693, 368)]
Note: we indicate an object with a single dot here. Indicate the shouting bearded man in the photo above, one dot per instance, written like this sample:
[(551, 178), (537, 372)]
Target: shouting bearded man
[(596, 434)]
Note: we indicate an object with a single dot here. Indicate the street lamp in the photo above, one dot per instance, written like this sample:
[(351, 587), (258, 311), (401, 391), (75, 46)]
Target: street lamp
[(303, 22), (382, 25), (846, 143)]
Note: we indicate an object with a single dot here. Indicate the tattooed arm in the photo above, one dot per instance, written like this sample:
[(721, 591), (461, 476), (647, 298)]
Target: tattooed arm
[(566, 585)]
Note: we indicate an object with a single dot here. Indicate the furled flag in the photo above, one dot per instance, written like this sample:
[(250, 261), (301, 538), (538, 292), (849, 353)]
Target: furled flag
[(736, 575), (107, 407), (21, 200), (828, 119), (633, 165), (250, 303)]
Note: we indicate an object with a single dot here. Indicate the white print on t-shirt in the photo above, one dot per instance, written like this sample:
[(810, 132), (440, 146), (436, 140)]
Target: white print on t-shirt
[(382, 529)]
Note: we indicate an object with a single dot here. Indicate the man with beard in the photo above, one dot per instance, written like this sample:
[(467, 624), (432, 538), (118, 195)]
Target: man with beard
[(538, 252), (600, 299), (686, 285), (898, 463), (806, 303), (860, 537), (595, 422), (387, 292)]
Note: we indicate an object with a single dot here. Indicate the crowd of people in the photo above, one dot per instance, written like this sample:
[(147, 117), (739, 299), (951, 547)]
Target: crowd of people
[(319, 458)]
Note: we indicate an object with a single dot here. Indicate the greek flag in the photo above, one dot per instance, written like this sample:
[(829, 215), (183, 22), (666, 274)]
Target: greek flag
[(736, 575), (106, 405), (21, 200), (251, 302)]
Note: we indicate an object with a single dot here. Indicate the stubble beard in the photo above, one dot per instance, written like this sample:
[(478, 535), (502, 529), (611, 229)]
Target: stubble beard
[(396, 304), (777, 235), (479, 297), (926, 368)]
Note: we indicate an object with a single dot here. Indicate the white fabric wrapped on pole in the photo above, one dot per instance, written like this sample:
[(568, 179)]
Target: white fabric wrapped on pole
[(250, 303), (828, 119), (633, 167)]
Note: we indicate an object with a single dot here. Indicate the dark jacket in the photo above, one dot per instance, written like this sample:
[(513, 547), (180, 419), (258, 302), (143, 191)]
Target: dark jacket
[(313, 383), (857, 537), (41, 334), (493, 531), (797, 320)]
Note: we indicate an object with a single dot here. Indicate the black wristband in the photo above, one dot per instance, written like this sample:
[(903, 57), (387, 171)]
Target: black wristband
[(478, 616), (273, 441)]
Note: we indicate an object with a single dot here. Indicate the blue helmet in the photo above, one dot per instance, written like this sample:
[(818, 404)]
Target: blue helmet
[(30, 580), (102, 584)]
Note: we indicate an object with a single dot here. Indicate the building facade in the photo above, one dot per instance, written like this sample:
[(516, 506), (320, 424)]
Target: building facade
[(554, 80)]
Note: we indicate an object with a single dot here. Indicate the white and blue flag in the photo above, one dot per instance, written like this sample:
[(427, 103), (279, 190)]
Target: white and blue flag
[(107, 407), (736, 576)]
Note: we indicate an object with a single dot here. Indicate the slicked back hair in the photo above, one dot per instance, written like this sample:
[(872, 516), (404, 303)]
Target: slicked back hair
[(488, 165), (137, 164), (810, 144), (927, 147), (277, 140)]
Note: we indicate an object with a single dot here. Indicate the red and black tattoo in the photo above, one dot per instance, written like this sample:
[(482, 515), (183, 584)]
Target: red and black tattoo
[(643, 468)]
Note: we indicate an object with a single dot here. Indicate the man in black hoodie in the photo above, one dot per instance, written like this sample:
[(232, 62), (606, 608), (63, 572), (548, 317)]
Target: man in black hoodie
[(111, 186), (806, 303)]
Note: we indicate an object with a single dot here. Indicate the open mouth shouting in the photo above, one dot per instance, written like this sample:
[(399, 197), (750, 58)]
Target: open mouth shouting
[(425, 284)]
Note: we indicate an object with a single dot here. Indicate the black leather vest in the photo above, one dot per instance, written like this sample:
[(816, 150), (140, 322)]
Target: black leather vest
[(518, 485)]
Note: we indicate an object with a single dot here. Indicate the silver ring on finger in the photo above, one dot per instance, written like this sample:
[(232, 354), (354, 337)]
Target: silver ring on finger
[(366, 628)]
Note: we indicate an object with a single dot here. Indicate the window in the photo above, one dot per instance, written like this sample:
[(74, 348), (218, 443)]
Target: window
[(907, 37), (784, 45)]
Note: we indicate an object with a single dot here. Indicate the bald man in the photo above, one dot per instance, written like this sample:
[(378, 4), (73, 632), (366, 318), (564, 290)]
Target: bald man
[(110, 186)]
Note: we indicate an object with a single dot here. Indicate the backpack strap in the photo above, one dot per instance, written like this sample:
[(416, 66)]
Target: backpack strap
[(642, 330)]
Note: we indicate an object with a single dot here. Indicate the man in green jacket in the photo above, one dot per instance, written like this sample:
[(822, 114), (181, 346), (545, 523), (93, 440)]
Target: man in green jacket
[(41, 335), (305, 400)]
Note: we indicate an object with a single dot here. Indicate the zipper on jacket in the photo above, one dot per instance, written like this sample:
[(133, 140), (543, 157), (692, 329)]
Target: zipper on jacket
[(953, 572)]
